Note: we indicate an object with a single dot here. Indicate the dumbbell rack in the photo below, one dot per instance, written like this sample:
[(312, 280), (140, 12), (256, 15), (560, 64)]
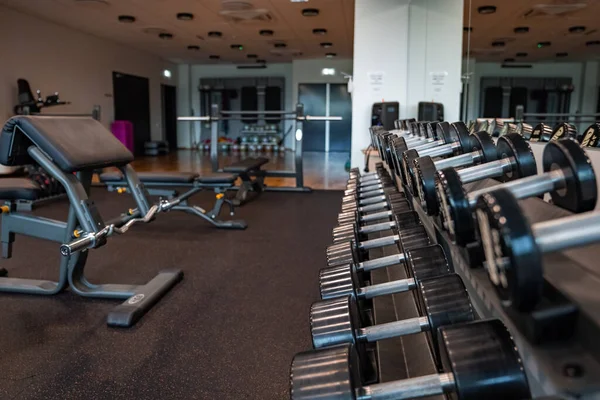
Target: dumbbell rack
[(568, 368)]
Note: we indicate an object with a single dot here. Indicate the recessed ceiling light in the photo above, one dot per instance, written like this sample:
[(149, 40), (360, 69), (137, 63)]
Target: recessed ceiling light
[(193, 47), (252, 56), (577, 29), (261, 61), (563, 54), (509, 60), (165, 35), (498, 43), (521, 54), (543, 44), (330, 55), (310, 12), (326, 45), (593, 43), (237, 47), (280, 45), (214, 57), (467, 29), (215, 34), (521, 29), (266, 32), (320, 31), (185, 16), (486, 9), (126, 19)]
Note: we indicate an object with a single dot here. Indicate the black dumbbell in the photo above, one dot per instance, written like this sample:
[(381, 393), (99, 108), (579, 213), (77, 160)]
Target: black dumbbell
[(483, 151), (349, 280), (513, 248), (443, 301), (352, 231), (375, 203), (568, 176), (591, 137), (370, 191), (459, 142), (545, 133), (515, 161), (479, 361), (352, 252), (525, 130)]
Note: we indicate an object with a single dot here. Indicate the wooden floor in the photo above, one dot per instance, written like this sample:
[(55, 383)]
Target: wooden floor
[(321, 170)]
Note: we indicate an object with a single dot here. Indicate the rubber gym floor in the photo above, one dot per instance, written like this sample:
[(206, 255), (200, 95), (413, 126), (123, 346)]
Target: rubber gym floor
[(227, 331)]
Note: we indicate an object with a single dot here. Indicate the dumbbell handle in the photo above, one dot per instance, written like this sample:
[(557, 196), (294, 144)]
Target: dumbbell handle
[(487, 170), (382, 226), (379, 242), (381, 262), (378, 332), (430, 145), (439, 151), (523, 188), (423, 386), (372, 200), (372, 207), (566, 233), (459, 161), (387, 288), (376, 216)]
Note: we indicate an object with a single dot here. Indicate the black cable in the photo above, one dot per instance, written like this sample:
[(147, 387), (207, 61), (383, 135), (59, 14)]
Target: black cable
[(367, 158)]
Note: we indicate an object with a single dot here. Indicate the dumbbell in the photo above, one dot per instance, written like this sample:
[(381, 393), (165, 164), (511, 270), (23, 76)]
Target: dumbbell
[(591, 137), (545, 133), (349, 280), (479, 361), (361, 217), (403, 217), (525, 130), (459, 142), (375, 203), (515, 161), (352, 252), (369, 191), (513, 248), (568, 176), (483, 151)]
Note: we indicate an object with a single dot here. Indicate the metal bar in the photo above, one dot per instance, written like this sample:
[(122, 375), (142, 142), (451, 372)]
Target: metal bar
[(458, 161), (205, 118), (569, 232), (384, 289), (381, 262), (327, 123), (214, 138), (393, 329), (299, 137), (422, 386), (274, 112), (321, 118), (487, 170), (559, 115)]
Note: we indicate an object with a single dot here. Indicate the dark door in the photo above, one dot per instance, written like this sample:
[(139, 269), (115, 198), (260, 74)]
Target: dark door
[(518, 97), (313, 98), (340, 104), (169, 114), (132, 103), (492, 106)]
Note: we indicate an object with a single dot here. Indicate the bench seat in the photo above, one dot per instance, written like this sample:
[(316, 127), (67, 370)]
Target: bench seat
[(18, 189), (246, 165), (170, 177)]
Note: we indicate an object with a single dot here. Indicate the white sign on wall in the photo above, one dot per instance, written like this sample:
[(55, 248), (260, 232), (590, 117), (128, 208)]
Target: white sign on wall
[(438, 81), (376, 81)]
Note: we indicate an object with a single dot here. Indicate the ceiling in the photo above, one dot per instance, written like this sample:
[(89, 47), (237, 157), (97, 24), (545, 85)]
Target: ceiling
[(283, 17), (544, 25)]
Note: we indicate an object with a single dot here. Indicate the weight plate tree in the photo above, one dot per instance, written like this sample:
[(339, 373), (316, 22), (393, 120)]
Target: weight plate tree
[(568, 176)]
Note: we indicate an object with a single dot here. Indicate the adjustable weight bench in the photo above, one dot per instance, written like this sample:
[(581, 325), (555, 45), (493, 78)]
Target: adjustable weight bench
[(157, 184), (252, 176), (70, 149)]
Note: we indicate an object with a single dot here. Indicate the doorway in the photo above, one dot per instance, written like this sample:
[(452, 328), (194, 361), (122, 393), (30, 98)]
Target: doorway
[(329, 99), (168, 95), (131, 95)]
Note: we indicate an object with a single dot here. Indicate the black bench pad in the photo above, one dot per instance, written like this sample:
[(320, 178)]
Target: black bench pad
[(18, 189), (170, 177), (73, 143), (246, 165)]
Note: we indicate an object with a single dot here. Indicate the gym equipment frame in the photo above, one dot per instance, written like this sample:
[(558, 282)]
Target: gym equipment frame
[(297, 116)]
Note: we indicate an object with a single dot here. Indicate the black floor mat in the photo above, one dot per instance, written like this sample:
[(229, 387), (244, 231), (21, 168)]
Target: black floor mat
[(228, 331)]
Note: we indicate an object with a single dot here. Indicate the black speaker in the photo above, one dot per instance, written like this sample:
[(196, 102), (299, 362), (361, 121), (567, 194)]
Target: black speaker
[(429, 111), (384, 114)]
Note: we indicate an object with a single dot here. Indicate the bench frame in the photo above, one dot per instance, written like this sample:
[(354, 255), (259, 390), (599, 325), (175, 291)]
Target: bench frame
[(83, 216), (154, 189)]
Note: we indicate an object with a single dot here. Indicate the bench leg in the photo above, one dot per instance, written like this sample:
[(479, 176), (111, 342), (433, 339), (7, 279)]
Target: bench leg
[(230, 224)]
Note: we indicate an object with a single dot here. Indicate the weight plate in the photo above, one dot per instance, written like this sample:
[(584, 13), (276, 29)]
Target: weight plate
[(591, 137), (580, 191), (456, 214), (426, 170), (423, 129), (334, 321), (525, 130), (413, 238), (338, 282), (431, 130), (541, 133), (409, 169), (482, 125), (460, 133), (413, 128), (483, 142), (563, 131), (484, 361), (427, 262), (514, 147), (442, 130), (513, 260), (444, 301), (330, 373)]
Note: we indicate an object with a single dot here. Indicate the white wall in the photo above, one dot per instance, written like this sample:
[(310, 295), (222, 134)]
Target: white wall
[(309, 71), (380, 46), (77, 65)]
